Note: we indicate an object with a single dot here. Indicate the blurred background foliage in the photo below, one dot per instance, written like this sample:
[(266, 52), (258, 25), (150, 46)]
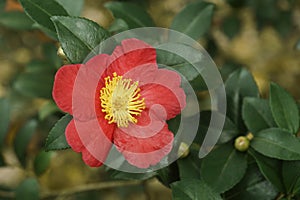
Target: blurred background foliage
[(260, 35)]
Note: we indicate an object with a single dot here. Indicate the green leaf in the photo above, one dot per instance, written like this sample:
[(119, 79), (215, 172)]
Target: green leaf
[(291, 176), (194, 20), (223, 167), (229, 130), (74, 8), (178, 63), (35, 84), (277, 143), (189, 167), (118, 25), (132, 14), (257, 114), (16, 20), (28, 190), (252, 186), (239, 85), (284, 108), (42, 162), (50, 55), (78, 36), (42, 11), (56, 139), (4, 119), (23, 138), (168, 175), (270, 168), (120, 175), (191, 189)]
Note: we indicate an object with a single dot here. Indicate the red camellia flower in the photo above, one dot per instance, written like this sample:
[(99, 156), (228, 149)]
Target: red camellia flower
[(132, 100)]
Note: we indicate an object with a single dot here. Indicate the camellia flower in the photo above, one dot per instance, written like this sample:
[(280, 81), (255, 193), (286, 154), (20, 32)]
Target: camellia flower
[(133, 98)]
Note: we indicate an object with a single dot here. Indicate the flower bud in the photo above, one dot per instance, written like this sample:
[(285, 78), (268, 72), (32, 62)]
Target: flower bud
[(241, 143), (183, 150)]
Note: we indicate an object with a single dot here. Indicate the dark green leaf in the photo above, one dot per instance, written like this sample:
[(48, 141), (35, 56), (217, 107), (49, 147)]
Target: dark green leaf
[(270, 168), (42, 11), (23, 138), (284, 108), (178, 63), (189, 167), (277, 143), (120, 175), (194, 20), (28, 190), (74, 8), (228, 68), (291, 176), (15, 20), (223, 167), (231, 26), (78, 36), (229, 130), (191, 189), (239, 85), (168, 175), (4, 119), (56, 139), (35, 84), (50, 53), (118, 25), (132, 14), (42, 162), (257, 114), (252, 186)]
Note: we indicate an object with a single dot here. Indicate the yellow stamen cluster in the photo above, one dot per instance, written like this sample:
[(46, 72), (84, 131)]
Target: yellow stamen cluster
[(120, 100)]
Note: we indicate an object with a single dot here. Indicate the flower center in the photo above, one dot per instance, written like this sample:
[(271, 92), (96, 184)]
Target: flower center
[(120, 100)]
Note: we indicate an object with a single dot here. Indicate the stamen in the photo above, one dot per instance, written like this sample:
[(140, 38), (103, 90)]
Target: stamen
[(120, 100)]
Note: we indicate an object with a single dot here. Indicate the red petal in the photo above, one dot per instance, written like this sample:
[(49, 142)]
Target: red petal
[(89, 159), (132, 53), (63, 86), (73, 138), (143, 152), (165, 91)]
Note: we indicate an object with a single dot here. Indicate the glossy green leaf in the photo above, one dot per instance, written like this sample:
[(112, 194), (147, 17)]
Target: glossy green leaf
[(42, 162), (189, 167), (120, 175), (284, 108), (23, 138), (277, 143), (134, 15), (35, 84), (118, 25), (28, 190), (191, 189), (252, 186), (178, 63), (169, 174), (74, 8), (291, 176), (56, 139), (257, 114), (270, 168), (223, 167), (50, 55), (239, 85), (42, 11), (78, 36), (194, 20), (4, 119), (229, 130), (15, 20)]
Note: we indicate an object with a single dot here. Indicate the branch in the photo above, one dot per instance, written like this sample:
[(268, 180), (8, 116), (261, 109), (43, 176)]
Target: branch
[(89, 187), (79, 189)]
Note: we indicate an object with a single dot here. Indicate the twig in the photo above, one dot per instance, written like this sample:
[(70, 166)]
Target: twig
[(89, 187), (79, 189)]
